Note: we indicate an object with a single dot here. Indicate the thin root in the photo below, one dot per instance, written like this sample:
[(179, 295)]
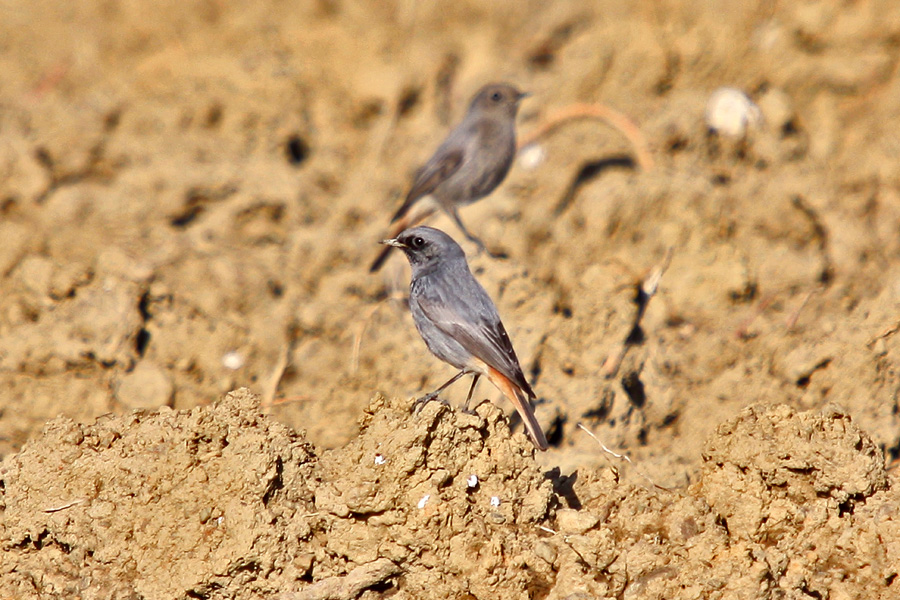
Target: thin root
[(884, 334), (792, 319), (620, 457), (54, 509), (614, 118), (271, 386)]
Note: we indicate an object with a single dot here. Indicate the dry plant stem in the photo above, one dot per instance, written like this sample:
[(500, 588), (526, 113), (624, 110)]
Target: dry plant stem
[(349, 586), (743, 330), (614, 118), (646, 291), (64, 506), (884, 334), (271, 385), (620, 457), (792, 319)]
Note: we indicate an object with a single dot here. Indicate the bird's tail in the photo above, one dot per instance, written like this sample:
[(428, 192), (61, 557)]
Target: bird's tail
[(523, 405), (404, 209), (379, 260)]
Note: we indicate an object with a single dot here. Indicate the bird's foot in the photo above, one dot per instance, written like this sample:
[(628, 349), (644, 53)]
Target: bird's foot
[(420, 403), (473, 411)]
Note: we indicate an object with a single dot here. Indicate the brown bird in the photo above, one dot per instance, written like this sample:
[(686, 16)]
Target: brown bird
[(468, 165)]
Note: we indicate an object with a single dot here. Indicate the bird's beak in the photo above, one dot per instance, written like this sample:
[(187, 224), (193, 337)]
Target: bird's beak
[(522, 96), (393, 242)]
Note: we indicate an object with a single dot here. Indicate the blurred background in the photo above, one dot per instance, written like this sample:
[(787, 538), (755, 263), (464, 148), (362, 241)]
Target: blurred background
[(191, 194)]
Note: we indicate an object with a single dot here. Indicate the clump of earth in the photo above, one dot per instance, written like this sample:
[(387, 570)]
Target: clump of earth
[(223, 501)]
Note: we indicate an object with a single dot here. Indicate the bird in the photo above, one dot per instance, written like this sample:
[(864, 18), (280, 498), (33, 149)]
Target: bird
[(471, 162), (459, 322)]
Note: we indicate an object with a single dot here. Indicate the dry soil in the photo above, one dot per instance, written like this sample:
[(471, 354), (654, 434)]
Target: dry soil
[(190, 196)]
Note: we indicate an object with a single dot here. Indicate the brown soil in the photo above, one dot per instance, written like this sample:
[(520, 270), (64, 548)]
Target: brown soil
[(191, 193)]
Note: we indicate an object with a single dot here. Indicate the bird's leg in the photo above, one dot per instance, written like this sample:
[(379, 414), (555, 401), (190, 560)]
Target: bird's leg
[(419, 403), (475, 377), (454, 214)]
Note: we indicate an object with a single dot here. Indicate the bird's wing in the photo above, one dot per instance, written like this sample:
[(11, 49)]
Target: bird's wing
[(441, 166), (480, 332)]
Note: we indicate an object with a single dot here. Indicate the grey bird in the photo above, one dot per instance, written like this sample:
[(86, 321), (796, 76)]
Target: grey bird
[(468, 165), (459, 322)]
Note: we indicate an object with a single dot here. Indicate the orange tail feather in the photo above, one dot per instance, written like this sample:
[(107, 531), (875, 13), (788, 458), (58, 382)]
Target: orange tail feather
[(523, 406)]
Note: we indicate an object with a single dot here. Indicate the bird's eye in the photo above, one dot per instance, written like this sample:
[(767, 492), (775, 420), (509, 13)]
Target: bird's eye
[(417, 242), (496, 96)]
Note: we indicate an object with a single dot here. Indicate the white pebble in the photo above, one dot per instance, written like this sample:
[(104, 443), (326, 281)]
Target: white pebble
[(233, 360), (495, 501), (424, 501), (472, 481), (379, 459), (531, 156), (731, 112)]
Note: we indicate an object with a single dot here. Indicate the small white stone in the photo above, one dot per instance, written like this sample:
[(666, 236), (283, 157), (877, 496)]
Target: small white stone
[(424, 501), (233, 360), (379, 459), (472, 481), (731, 112), (531, 156), (495, 501)]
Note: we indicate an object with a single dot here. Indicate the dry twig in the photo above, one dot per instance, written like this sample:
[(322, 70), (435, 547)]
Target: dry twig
[(621, 457), (271, 385), (54, 509), (614, 118), (884, 334), (794, 316)]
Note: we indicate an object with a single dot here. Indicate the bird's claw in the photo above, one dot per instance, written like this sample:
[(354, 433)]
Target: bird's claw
[(473, 410), (420, 403)]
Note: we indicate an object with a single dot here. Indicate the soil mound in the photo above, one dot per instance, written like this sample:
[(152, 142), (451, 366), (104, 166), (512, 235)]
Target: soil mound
[(224, 502)]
